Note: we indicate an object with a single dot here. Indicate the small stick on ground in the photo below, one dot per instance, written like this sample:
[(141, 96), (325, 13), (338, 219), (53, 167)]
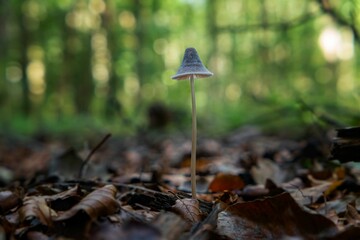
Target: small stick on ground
[(87, 159)]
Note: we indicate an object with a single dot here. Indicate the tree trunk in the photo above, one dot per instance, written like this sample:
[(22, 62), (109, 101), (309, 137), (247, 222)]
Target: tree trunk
[(24, 42), (112, 105), (140, 33), (83, 83), (3, 47)]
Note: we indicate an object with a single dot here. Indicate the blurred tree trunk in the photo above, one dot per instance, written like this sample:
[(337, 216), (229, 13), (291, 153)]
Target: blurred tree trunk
[(333, 68), (264, 47), (76, 67), (82, 82), (140, 33), (112, 105), (211, 11), (54, 75), (67, 61), (4, 11), (24, 42), (212, 58), (305, 57)]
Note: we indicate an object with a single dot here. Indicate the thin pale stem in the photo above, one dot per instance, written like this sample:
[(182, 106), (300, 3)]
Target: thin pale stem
[(193, 139)]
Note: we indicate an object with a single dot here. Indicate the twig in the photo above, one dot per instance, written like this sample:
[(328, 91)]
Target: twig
[(87, 159)]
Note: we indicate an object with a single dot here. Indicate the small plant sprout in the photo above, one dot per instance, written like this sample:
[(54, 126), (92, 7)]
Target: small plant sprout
[(191, 68)]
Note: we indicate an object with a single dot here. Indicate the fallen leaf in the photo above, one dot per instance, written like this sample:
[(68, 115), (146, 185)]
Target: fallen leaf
[(206, 229), (170, 225), (253, 192), (189, 209), (76, 221), (202, 163), (32, 235), (348, 234), (267, 169), (8, 223), (8, 200), (352, 215), (334, 217), (66, 165), (65, 200), (225, 181), (98, 203), (340, 172), (334, 185), (272, 218), (322, 175), (35, 209), (228, 198), (273, 188), (309, 195), (35, 162), (133, 230), (202, 185)]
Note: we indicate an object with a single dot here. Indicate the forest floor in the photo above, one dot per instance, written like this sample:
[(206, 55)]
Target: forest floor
[(249, 186)]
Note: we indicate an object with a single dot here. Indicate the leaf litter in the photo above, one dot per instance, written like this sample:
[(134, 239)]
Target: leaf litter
[(250, 186)]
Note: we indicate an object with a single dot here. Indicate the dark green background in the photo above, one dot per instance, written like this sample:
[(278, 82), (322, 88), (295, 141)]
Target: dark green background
[(97, 65)]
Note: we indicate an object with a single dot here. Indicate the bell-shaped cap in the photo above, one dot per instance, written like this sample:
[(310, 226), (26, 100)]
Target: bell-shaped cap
[(191, 65)]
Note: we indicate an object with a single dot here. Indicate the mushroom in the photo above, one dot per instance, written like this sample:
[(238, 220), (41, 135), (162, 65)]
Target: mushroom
[(191, 68)]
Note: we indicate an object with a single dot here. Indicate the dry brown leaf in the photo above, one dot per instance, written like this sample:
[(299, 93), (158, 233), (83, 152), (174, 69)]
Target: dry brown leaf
[(225, 181), (272, 218), (66, 164), (333, 216), (267, 169), (334, 185), (170, 225), (129, 230), (35, 162), (36, 208), (339, 173), (310, 195), (321, 175), (8, 223), (8, 200), (74, 191), (100, 202), (352, 215), (32, 235), (228, 198), (202, 164), (189, 209), (76, 221), (348, 234), (64, 200), (251, 192)]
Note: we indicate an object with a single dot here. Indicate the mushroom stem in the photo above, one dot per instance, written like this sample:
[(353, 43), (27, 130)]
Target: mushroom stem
[(193, 138)]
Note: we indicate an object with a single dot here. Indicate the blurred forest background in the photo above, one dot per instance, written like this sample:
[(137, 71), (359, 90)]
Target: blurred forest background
[(105, 65)]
